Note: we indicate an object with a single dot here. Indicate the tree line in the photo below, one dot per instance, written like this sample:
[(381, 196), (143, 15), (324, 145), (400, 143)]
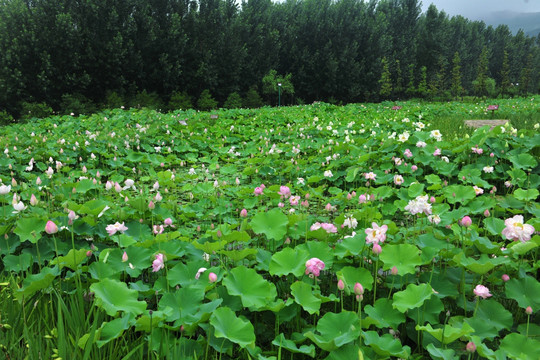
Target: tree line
[(83, 55)]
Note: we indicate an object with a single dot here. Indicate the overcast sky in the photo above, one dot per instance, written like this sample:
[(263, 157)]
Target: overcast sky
[(474, 8)]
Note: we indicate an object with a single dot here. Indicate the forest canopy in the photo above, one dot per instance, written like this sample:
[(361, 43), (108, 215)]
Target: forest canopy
[(83, 55)]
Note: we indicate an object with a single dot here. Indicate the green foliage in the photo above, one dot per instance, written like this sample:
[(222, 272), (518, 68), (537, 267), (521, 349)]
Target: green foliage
[(252, 99), (206, 102), (234, 101), (6, 118), (456, 88), (144, 99), (77, 104), (385, 81), (180, 100), (113, 100), (35, 110), (271, 84), (480, 84)]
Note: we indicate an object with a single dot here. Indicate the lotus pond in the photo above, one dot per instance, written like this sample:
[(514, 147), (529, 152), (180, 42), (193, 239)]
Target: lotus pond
[(355, 232)]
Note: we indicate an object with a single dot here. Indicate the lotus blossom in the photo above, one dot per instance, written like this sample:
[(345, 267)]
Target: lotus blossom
[(376, 233), (482, 291), (51, 228), (398, 179), (212, 277), (158, 263), (350, 222), (19, 206), (329, 228), (478, 190), (199, 272), (328, 174), (314, 266), (5, 189), (284, 192), (516, 229), (370, 175), (116, 227), (419, 205), (33, 200), (258, 191), (124, 257)]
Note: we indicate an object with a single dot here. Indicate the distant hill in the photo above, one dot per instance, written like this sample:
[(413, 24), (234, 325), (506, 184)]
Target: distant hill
[(529, 22)]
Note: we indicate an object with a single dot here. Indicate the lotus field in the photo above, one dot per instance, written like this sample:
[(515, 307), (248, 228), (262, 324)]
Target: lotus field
[(356, 232)]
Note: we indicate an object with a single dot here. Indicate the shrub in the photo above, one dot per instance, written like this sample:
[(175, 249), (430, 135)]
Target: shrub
[(113, 100), (253, 99), (180, 100), (234, 101), (35, 110), (144, 99), (76, 104), (206, 101), (6, 118)]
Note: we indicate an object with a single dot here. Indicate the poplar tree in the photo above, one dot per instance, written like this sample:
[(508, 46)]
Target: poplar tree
[(456, 88)]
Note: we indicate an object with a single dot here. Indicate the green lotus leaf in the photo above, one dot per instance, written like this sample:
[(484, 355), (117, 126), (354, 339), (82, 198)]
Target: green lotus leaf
[(272, 223), (288, 261), (519, 347), (405, 257), (351, 275), (335, 330), (483, 265), (114, 296), (494, 225), (254, 291), (34, 283), (386, 345), (30, 229), (438, 353), (523, 161), (72, 259), (415, 190), (459, 193), (446, 334), (384, 314), (526, 195), (303, 296), (526, 291), (227, 325), (281, 342), (490, 318), (412, 297)]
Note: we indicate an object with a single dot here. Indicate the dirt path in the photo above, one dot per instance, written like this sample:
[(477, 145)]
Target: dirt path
[(480, 123)]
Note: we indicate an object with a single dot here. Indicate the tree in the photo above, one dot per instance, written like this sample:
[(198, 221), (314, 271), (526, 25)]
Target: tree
[(525, 78), (505, 75), (271, 84), (422, 86), (480, 84), (411, 89), (456, 88), (252, 99), (234, 101), (385, 80), (206, 102), (398, 89)]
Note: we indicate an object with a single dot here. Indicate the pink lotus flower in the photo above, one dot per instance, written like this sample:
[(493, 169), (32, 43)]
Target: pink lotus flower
[(466, 221), (377, 249), (408, 153), (168, 222), (341, 285), (516, 229), (51, 228), (528, 310), (294, 200), (199, 272), (314, 266), (212, 277), (116, 227), (481, 291), (284, 192), (376, 233), (124, 257), (33, 200), (437, 152), (158, 263), (505, 277), (471, 347), (362, 199), (370, 175), (329, 228), (358, 289), (258, 191)]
